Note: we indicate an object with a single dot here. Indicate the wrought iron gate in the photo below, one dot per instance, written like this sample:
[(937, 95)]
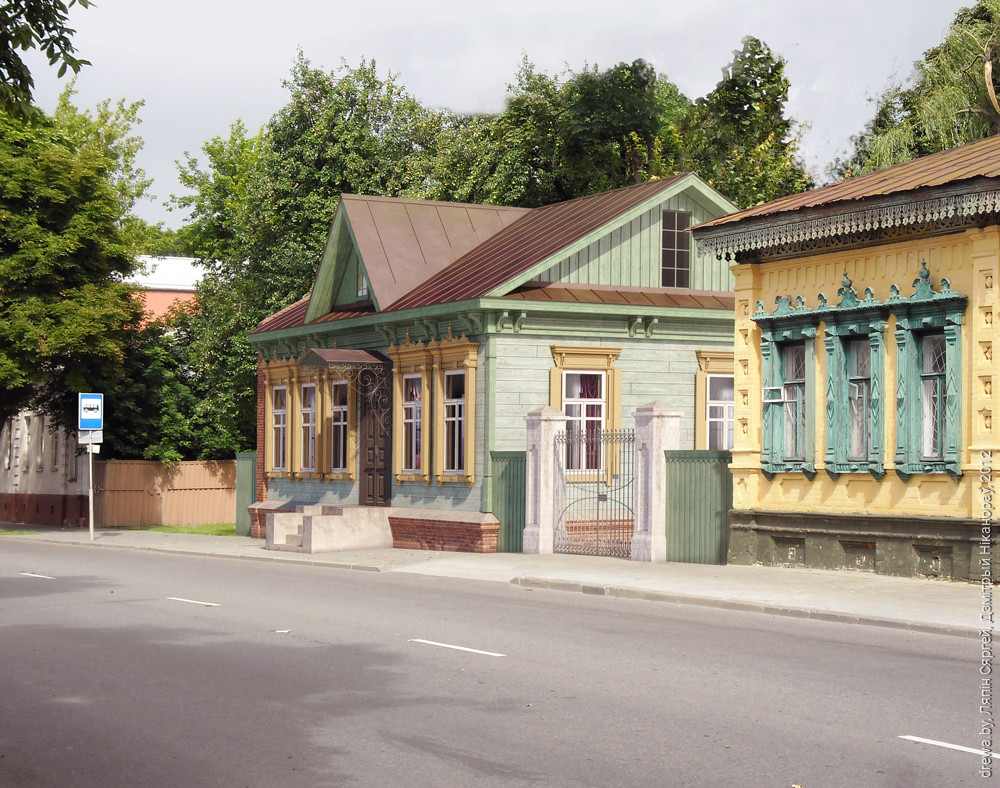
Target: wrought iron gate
[(595, 492)]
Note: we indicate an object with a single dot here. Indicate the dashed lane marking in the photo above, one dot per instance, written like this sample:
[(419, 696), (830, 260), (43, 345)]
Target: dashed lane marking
[(945, 744), (34, 574), (457, 648), (192, 601)]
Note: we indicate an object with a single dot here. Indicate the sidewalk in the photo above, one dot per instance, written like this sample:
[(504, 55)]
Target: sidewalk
[(921, 605)]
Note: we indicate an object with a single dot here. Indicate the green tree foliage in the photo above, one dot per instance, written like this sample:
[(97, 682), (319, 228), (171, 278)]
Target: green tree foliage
[(556, 140), (345, 131), (950, 99), (217, 200), (261, 208), (65, 310), (738, 138), (609, 126), (33, 24)]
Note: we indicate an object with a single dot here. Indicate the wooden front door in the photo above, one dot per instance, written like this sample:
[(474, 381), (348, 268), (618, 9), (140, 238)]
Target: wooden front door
[(375, 437)]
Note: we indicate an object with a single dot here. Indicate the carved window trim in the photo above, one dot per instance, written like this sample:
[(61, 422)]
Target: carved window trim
[(925, 312), (791, 323)]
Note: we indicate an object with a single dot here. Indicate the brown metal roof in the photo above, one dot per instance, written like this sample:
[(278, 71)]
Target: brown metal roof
[(295, 315), (405, 242), (528, 241), (974, 160), (288, 317), (631, 296)]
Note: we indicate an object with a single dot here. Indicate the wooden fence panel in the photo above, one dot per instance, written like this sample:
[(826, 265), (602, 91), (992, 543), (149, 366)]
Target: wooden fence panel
[(509, 483), (698, 497), (137, 492)]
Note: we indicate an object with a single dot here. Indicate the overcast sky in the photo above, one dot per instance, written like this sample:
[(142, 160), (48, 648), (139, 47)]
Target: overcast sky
[(201, 64)]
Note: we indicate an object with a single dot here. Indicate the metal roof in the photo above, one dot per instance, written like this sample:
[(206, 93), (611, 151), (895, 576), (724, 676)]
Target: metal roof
[(288, 317), (630, 296), (528, 241), (319, 357), (979, 159), (404, 242)]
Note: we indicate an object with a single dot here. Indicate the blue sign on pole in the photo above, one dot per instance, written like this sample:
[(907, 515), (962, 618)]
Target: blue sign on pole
[(91, 413)]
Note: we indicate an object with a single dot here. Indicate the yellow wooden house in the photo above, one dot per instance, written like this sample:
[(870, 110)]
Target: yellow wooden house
[(864, 369)]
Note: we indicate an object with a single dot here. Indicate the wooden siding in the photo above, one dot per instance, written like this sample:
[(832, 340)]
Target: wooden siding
[(629, 256), (349, 281), (650, 370), (131, 493)]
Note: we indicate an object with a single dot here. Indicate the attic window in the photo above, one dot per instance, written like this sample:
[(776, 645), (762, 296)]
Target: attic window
[(361, 279), (676, 254)]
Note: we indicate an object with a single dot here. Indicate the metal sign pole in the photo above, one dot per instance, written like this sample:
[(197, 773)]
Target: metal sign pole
[(90, 483), (90, 420)]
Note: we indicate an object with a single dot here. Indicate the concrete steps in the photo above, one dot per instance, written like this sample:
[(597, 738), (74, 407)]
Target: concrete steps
[(315, 528)]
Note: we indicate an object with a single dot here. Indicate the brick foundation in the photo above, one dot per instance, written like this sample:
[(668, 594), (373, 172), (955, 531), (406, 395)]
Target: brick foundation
[(433, 534), (44, 509), (258, 523)]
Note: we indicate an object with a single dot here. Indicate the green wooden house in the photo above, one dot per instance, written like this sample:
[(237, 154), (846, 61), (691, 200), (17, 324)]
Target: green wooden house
[(433, 328)]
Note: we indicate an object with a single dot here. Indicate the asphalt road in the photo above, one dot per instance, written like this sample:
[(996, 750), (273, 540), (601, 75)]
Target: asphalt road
[(115, 671)]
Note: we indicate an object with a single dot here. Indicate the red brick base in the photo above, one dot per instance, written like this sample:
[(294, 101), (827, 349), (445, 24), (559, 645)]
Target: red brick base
[(461, 537), (44, 509), (258, 523)]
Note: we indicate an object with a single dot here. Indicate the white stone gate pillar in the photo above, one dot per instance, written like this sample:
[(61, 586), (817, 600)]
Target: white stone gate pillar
[(657, 429), (540, 462)]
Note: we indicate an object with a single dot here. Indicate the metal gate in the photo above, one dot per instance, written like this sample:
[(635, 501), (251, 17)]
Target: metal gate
[(595, 492)]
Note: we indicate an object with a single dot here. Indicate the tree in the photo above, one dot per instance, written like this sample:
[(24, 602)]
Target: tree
[(30, 24), (738, 138), (344, 131), (595, 130), (609, 126), (951, 98), (217, 198), (261, 208), (65, 310)]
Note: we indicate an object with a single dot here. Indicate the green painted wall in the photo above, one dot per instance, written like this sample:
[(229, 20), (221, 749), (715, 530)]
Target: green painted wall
[(651, 370), (629, 255)]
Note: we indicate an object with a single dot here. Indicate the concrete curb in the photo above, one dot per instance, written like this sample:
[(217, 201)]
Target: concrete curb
[(575, 586), (651, 595), (278, 558)]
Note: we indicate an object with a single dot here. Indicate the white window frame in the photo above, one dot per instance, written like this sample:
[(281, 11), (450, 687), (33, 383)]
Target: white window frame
[(584, 461), (339, 428), (307, 426), (795, 406), (454, 425), (859, 393), (413, 458), (728, 419), (932, 409), (279, 429)]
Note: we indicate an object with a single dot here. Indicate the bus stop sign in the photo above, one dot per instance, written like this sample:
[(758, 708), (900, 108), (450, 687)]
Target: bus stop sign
[(91, 412)]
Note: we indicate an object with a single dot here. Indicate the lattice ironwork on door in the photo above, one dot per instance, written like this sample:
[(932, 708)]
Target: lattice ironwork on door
[(595, 492)]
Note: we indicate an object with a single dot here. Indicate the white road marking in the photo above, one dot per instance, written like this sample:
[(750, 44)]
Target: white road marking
[(457, 648), (32, 574), (958, 747), (192, 601)]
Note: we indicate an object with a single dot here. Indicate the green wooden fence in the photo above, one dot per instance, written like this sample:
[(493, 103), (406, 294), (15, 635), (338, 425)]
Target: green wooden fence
[(699, 495), (246, 489), (509, 484)]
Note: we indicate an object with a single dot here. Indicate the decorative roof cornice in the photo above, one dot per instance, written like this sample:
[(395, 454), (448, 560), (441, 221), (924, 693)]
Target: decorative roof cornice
[(781, 236)]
